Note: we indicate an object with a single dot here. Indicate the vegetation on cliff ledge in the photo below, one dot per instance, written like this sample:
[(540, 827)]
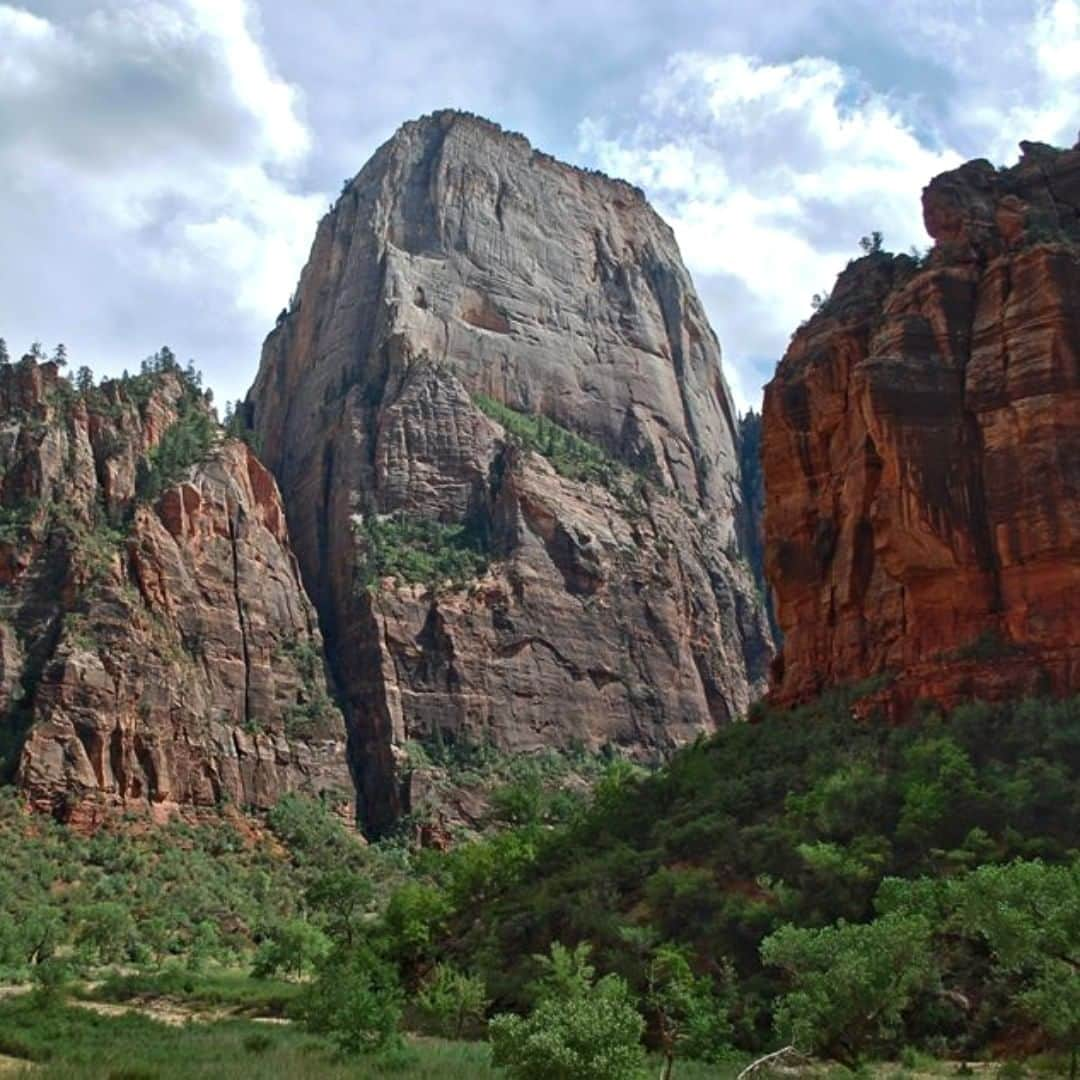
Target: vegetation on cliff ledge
[(570, 455), (418, 551)]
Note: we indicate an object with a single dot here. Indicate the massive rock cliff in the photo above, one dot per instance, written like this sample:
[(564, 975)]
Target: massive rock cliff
[(922, 454), (157, 649), (492, 341)]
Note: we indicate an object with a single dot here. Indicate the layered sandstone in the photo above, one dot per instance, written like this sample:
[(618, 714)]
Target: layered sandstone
[(461, 263), (157, 653), (922, 454)]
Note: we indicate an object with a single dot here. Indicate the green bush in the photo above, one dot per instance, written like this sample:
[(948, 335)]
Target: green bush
[(418, 551), (571, 455), (356, 1000), (293, 947), (451, 1001), (580, 1029)]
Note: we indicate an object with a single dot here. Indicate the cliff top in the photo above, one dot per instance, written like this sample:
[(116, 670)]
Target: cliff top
[(441, 121)]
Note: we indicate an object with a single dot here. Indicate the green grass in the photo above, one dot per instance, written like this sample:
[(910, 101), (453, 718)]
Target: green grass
[(235, 990), (72, 1043)]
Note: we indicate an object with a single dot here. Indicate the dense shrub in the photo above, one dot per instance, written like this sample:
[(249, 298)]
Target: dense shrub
[(418, 551), (571, 455), (356, 1000), (792, 821), (580, 1029)]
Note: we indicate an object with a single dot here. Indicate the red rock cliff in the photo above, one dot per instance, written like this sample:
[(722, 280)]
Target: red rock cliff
[(155, 652), (922, 454)]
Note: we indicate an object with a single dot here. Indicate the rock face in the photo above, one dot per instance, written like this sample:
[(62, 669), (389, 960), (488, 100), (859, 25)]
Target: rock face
[(922, 454), (461, 266), (154, 653)]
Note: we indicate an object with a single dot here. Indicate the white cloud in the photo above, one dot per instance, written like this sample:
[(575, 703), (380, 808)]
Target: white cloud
[(163, 127), (1043, 103), (769, 173), (162, 178)]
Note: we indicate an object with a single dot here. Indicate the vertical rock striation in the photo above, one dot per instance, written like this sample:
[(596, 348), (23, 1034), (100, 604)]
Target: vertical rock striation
[(155, 653), (922, 454), (463, 267)]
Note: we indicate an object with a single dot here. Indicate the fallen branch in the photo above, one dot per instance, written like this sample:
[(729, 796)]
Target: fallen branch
[(755, 1065)]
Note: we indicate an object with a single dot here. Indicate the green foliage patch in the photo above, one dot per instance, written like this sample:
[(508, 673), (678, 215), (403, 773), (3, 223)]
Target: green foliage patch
[(315, 710), (793, 821), (570, 455), (419, 551)]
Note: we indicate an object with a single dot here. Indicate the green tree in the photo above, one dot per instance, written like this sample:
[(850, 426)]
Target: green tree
[(205, 944), (451, 1000), (871, 244), (1028, 913), (356, 1000), (59, 357), (106, 932), (159, 936), (414, 918), (565, 974), (850, 983), (84, 380), (5, 356), (691, 1019), (341, 896), (43, 931), (293, 946), (580, 1028)]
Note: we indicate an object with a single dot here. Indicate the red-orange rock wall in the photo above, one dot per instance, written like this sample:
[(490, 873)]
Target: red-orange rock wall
[(155, 655), (921, 454)]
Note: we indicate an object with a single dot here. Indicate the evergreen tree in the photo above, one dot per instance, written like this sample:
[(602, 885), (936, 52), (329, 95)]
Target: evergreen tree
[(84, 380), (5, 358), (60, 355), (871, 244), (37, 351)]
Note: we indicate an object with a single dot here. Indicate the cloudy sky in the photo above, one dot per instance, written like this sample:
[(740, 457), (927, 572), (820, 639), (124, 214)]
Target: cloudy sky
[(163, 162)]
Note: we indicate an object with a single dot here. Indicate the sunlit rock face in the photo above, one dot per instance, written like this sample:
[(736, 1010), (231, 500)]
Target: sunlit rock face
[(922, 455), (462, 264), (158, 655)]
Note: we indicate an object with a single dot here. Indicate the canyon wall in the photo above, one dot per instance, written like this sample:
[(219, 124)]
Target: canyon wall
[(921, 453), (509, 349), (157, 649)]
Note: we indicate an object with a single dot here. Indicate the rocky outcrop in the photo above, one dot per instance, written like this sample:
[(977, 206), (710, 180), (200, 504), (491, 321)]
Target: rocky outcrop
[(157, 648), (462, 269), (922, 455)]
